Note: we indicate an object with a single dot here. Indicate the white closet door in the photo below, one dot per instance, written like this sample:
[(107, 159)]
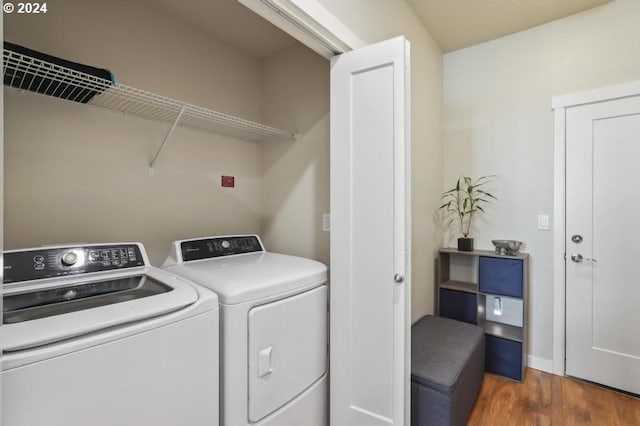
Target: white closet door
[(370, 236)]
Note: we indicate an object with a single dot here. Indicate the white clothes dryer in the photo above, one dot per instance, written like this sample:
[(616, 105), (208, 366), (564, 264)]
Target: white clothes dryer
[(93, 335), (273, 328)]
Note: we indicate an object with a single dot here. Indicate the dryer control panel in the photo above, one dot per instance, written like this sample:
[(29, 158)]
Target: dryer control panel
[(208, 248), (51, 262)]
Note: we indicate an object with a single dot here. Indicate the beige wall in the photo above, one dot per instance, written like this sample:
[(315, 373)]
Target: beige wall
[(282, 186), (378, 20), (75, 173), (498, 120), (295, 174)]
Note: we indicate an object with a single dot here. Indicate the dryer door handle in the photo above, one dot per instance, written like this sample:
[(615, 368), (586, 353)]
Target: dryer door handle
[(265, 362)]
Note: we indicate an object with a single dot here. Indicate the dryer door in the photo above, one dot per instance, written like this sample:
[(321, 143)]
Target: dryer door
[(287, 350)]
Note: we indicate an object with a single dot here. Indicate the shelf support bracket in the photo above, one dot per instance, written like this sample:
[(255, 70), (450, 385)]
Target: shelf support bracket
[(166, 139)]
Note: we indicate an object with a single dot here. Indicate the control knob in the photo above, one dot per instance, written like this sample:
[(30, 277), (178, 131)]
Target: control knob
[(69, 258), (225, 244)]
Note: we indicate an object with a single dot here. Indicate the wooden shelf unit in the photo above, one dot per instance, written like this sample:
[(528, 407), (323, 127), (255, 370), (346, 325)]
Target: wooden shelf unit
[(467, 282)]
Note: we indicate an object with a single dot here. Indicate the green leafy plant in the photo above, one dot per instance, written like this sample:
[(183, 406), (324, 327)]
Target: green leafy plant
[(465, 200)]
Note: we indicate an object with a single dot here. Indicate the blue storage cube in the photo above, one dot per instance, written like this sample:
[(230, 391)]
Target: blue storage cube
[(503, 357), (458, 305), (500, 276)]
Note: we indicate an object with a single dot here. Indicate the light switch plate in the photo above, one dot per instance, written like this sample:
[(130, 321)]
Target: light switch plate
[(326, 222), (543, 222)]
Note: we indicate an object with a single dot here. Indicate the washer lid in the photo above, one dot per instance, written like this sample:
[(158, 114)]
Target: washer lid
[(51, 301), (237, 279), (59, 320)]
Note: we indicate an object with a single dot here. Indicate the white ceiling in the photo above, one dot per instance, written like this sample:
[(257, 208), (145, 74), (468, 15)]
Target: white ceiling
[(454, 24)]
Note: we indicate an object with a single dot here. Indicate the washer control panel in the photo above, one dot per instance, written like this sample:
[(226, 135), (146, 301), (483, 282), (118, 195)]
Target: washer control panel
[(50, 262), (219, 246)]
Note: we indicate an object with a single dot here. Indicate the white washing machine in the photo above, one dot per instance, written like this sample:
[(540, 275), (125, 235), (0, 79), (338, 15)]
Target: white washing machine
[(93, 335), (273, 313)]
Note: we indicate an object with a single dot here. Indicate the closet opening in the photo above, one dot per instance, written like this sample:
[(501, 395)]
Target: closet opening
[(79, 174)]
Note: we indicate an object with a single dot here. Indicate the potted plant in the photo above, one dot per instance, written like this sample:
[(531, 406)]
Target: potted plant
[(462, 202)]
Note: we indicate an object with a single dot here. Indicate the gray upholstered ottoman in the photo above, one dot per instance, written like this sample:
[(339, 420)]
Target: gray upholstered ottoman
[(447, 366)]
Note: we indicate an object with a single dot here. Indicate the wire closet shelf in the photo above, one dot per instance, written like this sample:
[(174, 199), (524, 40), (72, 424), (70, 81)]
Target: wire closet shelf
[(26, 73)]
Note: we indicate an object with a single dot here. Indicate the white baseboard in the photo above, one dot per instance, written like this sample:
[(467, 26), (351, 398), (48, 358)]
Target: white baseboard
[(541, 364)]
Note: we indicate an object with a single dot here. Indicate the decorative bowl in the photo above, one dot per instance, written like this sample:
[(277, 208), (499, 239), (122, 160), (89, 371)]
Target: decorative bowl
[(508, 247)]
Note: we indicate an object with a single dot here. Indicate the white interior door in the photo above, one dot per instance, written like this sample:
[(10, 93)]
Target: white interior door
[(602, 243), (370, 236)]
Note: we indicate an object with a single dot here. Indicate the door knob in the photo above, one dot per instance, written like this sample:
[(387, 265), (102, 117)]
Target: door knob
[(578, 258)]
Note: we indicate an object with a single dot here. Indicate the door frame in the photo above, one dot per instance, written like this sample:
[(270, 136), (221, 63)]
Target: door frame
[(559, 105), (309, 22)]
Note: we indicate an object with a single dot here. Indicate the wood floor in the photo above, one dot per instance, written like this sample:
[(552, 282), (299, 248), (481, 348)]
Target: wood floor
[(545, 399)]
